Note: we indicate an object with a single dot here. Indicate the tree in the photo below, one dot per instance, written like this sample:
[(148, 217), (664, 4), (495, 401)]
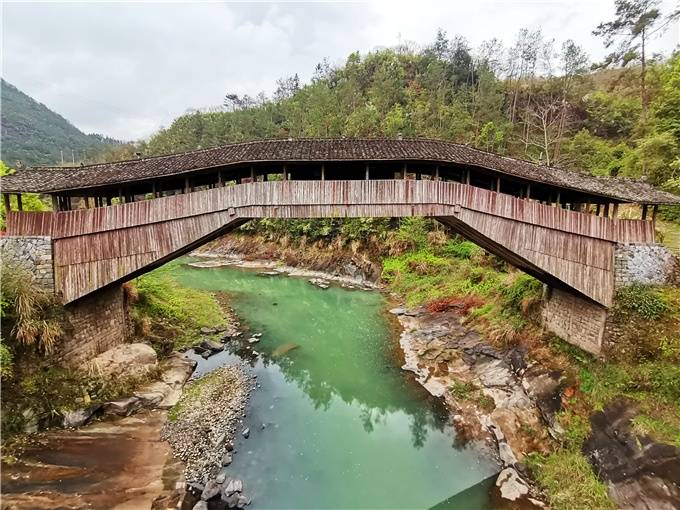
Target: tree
[(636, 21)]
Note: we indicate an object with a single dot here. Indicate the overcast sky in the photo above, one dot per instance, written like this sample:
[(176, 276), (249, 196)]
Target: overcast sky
[(125, 69)]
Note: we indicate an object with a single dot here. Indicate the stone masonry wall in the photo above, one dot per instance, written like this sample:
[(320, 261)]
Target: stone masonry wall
[(574, 319), (33, 253), (648, 264), (98, 322)]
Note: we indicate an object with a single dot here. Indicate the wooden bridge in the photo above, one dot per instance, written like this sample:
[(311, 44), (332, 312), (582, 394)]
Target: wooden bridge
[(139, 214)]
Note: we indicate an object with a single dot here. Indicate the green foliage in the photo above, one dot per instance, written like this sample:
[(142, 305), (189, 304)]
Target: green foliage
[(611, 115), (462, 249), (522, 290), (35, 135), (645, 301), (413, 232), (32, 316), (666, 106), (6, 360), (185, 309), (583, 489), (659, 430)]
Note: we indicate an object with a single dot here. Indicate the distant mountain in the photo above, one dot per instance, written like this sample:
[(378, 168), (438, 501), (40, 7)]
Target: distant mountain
[(35, 135)]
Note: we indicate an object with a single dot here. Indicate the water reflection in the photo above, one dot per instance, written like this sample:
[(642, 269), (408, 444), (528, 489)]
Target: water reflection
[(346, 427)]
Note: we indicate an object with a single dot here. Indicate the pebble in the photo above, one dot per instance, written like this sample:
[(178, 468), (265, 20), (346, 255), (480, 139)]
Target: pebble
[(246, 433)]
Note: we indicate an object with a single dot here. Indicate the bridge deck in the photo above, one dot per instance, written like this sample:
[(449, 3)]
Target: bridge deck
[(97, 247)]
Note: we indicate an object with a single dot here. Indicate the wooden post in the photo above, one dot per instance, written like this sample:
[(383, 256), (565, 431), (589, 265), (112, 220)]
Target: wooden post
[(557, 199), (498, 184), (403, 172), (323, 172), (120, 195), (20, 206), (644, 211), (655, 209), (253, 177), (436, 173), (187, 185), (467, 177), (367, 172), (586, 208), (606, 210), (285, 173), (597, 211), (8, 204), (615, 211), (153, 189), (528, 197), (55, 203)]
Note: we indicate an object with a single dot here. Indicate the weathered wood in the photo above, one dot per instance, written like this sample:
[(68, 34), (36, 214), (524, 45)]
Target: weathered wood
[(96, 247)]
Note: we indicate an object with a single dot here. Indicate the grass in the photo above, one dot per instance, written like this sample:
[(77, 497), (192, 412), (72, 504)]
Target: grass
[(643, 364), (568, 481), (670, 233), (165, 307), (190, 393)]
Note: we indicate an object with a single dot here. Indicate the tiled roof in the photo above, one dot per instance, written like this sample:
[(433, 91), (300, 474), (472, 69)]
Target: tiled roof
[(46, 180)]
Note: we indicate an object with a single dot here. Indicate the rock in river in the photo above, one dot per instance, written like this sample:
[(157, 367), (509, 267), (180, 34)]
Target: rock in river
[(246, 433)]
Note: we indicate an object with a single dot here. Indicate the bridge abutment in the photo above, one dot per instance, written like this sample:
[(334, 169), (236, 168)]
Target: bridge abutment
[(97, 323), (586, 324)]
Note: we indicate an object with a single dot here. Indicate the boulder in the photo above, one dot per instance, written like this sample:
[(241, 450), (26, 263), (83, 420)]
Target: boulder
[(212, 489), (201, 505), (123, 407), (232, 486), (211, 345), (125, 360), (80, 417), (511, 485), (227, 459)]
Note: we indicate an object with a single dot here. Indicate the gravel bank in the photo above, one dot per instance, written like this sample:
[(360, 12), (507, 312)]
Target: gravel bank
[(202, 426)]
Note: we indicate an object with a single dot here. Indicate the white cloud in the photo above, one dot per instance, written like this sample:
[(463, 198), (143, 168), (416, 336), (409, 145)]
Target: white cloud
[(125, 69)]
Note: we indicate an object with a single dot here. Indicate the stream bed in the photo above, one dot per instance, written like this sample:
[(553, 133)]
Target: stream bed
[(335, 422)]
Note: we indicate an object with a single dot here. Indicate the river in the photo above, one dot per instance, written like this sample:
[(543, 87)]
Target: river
[(335, 422)]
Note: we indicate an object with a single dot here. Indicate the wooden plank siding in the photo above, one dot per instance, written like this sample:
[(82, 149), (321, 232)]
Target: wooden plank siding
[(96, 247)]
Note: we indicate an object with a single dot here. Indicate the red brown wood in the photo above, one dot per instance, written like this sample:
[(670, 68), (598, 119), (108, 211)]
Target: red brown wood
[(96, 247)]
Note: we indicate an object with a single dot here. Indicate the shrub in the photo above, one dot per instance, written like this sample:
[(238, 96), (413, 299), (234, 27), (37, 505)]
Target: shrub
[(6, 359), (642, 300), (462, 249), (523, 291), (32, 315)]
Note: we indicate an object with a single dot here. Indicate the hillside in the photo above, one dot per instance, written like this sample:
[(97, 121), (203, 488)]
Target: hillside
[(35, 135)]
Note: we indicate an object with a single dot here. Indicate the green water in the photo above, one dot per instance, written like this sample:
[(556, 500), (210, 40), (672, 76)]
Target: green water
[(344, 426)]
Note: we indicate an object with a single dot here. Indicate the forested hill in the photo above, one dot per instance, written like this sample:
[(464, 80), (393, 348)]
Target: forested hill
[(35, 135), (532, 100)]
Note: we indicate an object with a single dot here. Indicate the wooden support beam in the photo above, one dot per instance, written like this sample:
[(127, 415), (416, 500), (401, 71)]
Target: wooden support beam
[(528, 197), (467, 176), (404, 170), (187, 185), (644, 211), (597, 211), (615, 211), (55, 203), (8, 204), (367, 172), (20, 205), (285, 173), (253, 175), (436, 173), (323, 172), (498, 185), (655, 209), (153, 189), (557, 199), (606, 210)]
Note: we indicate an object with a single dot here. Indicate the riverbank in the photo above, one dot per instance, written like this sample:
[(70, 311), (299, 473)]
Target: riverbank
[(583, 404)]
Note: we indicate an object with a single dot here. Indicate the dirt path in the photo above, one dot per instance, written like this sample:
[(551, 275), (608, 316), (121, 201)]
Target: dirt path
[(119, 464)]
